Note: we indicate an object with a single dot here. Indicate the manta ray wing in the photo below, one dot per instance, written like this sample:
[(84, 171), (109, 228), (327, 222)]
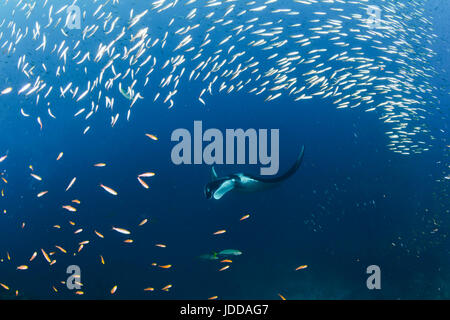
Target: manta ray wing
[(225, 187), (213, 174)]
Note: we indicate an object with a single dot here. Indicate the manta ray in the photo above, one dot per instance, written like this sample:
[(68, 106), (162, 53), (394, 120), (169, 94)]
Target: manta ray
[(243, 182)]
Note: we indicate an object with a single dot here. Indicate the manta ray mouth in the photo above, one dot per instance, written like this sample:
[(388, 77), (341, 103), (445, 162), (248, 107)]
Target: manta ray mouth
[(207, 192)]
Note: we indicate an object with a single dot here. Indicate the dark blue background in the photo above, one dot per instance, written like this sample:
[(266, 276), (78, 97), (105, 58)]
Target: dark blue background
[(341, 212)]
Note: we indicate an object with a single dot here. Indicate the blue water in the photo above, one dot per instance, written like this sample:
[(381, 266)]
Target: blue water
[(349, 202)]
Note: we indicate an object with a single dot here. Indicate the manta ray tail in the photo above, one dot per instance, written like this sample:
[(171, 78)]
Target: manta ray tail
[(288, 173)]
